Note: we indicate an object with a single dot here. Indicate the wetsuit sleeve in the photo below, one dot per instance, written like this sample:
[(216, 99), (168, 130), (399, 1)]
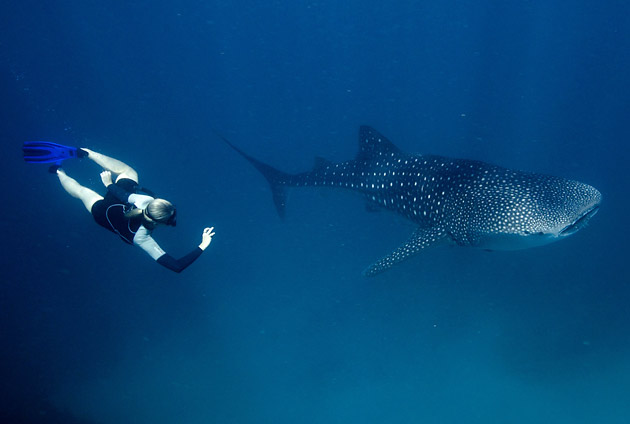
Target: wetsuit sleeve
[(144, 240), (178, 265)]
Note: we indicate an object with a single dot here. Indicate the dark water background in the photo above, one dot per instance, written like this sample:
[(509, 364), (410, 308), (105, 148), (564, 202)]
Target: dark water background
[(274, 323)]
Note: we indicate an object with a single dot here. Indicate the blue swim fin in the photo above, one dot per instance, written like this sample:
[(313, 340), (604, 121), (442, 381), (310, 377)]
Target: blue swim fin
[(47, 152)]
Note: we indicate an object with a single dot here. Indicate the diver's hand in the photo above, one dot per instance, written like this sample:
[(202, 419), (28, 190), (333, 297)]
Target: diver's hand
[(106, 177), (206, 238)]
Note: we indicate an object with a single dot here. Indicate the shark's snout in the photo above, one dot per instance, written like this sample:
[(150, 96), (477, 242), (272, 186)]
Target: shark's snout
[(583, 217), (580, 205), (558, 209)]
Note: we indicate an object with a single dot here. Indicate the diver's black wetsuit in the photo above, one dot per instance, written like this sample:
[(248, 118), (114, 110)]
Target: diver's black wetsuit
[(110, 211), (110, 214)]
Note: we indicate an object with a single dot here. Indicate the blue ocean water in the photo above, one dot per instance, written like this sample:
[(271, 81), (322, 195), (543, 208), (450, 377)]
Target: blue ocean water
[(274, 323)]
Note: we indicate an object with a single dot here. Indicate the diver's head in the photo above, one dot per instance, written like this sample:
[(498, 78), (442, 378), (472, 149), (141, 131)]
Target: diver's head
[(161, 211)]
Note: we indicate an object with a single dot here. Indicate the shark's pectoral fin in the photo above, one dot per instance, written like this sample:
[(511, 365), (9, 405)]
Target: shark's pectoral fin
[(421, 238)]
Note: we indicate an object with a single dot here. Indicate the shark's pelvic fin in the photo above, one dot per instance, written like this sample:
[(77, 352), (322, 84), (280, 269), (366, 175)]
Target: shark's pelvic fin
[(421, 238)]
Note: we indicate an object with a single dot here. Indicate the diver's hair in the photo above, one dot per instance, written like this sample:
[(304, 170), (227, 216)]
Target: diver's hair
[(160, 210)]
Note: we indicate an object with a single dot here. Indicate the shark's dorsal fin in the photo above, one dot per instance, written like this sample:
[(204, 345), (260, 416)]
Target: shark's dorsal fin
[(421, 238), (373, 144)]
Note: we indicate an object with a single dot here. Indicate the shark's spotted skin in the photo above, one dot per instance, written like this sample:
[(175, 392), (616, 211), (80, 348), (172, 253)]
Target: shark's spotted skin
[(468, 202)]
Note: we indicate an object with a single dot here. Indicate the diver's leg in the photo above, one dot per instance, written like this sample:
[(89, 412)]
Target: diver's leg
[(87, 196), (117, 167)]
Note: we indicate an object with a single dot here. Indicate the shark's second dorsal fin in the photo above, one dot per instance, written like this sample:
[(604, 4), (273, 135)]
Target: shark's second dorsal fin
[(321, 163), (373, 144)]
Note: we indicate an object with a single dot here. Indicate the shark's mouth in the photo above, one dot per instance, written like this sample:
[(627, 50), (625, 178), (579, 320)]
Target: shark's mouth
[(580, 222)]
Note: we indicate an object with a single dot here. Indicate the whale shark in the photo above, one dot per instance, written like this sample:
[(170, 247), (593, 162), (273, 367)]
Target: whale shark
[(460, 201)]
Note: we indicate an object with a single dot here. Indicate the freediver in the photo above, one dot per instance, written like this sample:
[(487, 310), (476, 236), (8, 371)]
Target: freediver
[(123, 211)]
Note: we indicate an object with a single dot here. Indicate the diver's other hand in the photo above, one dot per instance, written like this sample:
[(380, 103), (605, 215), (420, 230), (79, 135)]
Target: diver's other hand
[(206, 237), (106, 177)]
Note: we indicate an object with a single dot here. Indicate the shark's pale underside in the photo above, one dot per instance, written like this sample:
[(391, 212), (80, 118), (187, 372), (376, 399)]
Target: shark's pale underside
[(467, 202)]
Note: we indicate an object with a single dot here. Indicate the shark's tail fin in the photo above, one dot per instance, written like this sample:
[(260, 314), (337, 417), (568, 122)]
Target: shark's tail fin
[(277, 179)]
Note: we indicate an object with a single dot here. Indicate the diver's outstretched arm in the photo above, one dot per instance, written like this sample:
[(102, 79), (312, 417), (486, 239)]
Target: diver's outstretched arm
[(145, 241), (117, 167)]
